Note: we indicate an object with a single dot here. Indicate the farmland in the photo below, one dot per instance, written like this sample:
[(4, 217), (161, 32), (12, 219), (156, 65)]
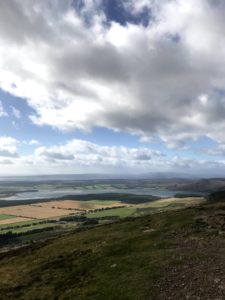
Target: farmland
[(34, 211), (52, 209), (26, 224), (78, 205), (93, 209)]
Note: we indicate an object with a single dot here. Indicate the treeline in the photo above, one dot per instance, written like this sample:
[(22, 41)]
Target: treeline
[(9, 236), (76, 218), (122, 197), (105, 208), (86, 221), (189, 195)]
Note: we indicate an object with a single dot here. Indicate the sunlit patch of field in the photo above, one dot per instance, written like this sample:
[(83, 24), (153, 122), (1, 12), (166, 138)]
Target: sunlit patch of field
[(34, 212), (176, 202), (13, 220), (120, 212), (148, 208)]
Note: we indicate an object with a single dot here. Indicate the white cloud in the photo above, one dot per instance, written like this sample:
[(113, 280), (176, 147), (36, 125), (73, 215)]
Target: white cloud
[(203, 99), (151, 81), (78, 156), (87, 153), (8, 147), (3, 113), (33, 143)]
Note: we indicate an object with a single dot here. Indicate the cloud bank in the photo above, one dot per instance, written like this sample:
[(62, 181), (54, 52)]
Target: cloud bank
[(79, 156)]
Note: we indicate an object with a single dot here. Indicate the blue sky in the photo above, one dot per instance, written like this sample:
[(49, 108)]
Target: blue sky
[(112, 86)]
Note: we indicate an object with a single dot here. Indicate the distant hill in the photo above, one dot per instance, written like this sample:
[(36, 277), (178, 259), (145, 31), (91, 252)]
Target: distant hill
[(201, 185)]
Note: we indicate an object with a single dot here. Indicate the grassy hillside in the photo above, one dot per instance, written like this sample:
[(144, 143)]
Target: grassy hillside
[(169, 255)]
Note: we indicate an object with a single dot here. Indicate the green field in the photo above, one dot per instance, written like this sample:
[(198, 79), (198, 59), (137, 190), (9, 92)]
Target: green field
[(120, 212), (4, 217), (102, 202)]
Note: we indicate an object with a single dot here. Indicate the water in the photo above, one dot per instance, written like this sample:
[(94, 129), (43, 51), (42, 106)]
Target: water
[(51, 193)]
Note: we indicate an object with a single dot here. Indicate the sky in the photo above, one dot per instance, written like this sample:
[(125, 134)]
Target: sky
[(112, 86)]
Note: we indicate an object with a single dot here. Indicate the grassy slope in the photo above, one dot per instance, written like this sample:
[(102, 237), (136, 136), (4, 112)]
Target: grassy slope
[(125, 260)]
